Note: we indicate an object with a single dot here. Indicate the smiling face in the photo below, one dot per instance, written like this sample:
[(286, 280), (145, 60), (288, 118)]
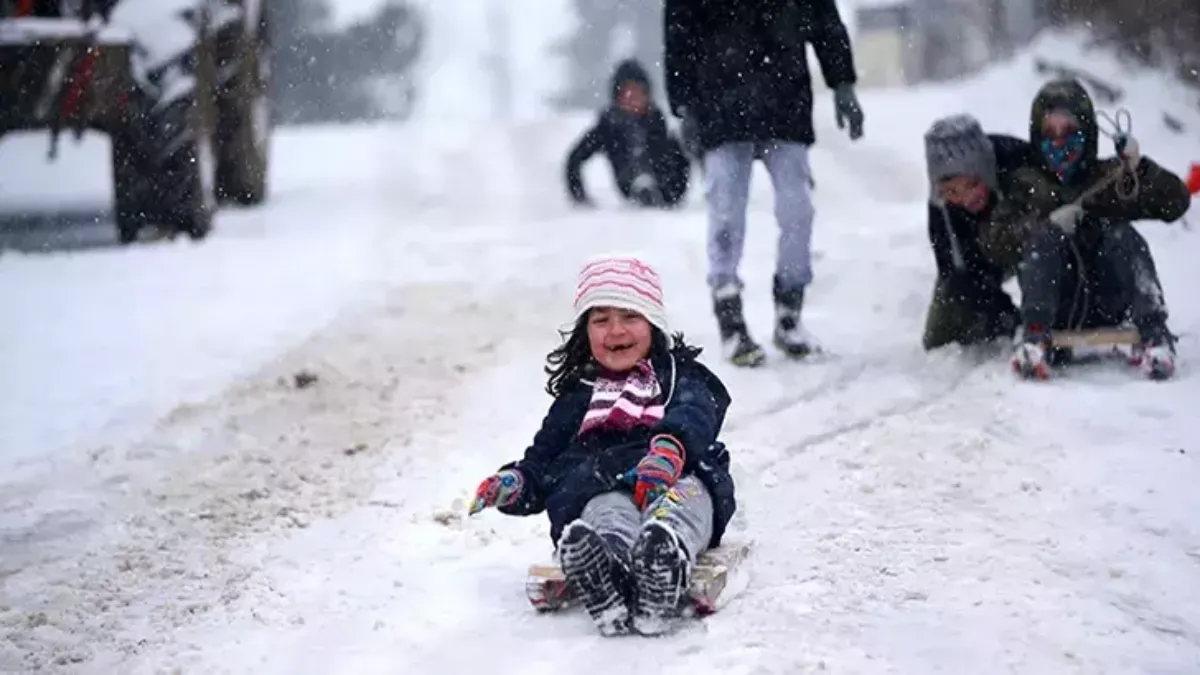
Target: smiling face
[(618, 338)]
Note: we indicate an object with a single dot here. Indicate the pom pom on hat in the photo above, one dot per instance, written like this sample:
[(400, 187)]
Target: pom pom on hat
[(622, 281)]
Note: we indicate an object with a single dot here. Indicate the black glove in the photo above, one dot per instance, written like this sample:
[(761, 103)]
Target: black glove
[(848, 110)]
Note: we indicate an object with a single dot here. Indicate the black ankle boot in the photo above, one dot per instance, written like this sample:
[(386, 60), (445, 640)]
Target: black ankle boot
[(739, 348), (790, 335)]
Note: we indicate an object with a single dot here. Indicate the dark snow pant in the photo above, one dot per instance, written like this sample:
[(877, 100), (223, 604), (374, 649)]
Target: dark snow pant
[(687, 509), (1098, 278), (967, 316), (659, 180)]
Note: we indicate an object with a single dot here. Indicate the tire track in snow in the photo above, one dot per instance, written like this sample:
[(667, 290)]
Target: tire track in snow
[(884, 412), (263, 459), (839, 379), (845, 381), (919, 516)]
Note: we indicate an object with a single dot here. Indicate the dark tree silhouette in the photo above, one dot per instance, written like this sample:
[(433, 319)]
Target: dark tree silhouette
[(321, 75), (1163, 33), (590, 51)]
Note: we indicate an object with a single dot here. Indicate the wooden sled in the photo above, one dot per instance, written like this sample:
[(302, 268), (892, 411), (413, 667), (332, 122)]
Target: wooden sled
[(548, 591), (1096, 338)]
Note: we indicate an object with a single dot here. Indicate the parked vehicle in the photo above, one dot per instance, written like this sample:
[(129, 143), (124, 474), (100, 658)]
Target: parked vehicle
[(181, 88)]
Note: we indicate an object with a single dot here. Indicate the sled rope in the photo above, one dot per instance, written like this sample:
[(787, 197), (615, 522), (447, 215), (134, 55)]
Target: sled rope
[(1122, 123)]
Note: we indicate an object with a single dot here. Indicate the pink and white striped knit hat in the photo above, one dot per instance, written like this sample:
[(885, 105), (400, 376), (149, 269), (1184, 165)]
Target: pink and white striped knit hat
[(623, 281)]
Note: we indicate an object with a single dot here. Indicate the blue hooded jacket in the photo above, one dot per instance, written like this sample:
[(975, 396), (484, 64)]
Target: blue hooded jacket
[(562, 470)]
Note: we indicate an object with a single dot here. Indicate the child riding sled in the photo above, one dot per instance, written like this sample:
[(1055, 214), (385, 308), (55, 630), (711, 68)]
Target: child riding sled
[(626, 464), (1069, 221)]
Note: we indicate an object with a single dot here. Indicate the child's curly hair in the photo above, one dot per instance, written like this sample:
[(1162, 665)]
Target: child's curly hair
[(572, 360)]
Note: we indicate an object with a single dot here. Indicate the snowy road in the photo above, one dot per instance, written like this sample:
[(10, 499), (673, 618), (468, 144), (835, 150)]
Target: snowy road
[(911, 513)]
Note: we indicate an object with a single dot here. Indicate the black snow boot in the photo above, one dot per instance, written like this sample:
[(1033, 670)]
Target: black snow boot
[(661, 579), (736, 344), (596, 576), (790, 336)]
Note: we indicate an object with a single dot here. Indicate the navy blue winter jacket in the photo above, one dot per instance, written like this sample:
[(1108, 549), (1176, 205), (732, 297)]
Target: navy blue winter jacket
[(563, 470)]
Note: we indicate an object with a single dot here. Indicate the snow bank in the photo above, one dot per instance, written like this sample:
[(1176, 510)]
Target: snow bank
[(80, 178), (112, 340)]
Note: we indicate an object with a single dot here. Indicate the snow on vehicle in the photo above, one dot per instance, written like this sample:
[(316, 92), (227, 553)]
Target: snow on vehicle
[(716, 578), (179, 86)]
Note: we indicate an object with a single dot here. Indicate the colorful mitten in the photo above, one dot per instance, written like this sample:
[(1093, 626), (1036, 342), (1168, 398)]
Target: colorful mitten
[(658, 470), (501, 489)]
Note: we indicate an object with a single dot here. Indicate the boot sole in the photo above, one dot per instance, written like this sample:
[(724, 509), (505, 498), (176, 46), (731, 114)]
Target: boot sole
[(660, 579), (587, 565)]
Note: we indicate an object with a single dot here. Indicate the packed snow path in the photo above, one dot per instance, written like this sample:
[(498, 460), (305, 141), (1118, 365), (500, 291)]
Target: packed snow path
[(910, 512)]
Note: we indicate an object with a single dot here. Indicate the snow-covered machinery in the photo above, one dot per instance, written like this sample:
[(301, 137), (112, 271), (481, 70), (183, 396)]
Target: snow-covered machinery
[(179, 86)]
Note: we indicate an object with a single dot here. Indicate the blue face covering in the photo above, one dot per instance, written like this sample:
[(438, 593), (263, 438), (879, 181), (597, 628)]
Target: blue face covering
[(1063, 153)]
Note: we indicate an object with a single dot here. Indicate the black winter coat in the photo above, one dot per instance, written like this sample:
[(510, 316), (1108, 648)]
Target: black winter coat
[(563, 470), (740, 66)]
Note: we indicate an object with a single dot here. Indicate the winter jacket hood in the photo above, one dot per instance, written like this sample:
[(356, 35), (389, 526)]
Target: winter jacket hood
[(1070, 95), (629, 70)]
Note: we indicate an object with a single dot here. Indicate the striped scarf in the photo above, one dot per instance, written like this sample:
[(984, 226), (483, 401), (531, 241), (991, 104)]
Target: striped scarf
[(626, 401)]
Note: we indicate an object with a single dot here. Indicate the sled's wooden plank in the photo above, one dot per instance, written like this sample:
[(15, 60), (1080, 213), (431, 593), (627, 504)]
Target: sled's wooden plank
[(711, 575), (1096, 337), (547, 590)]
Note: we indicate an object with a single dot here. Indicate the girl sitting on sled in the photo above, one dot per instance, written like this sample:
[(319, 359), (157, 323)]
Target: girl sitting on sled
[(626, 464)]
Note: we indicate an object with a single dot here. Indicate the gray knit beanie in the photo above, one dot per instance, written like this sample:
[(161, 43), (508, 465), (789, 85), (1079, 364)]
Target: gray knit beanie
[(957, 146)]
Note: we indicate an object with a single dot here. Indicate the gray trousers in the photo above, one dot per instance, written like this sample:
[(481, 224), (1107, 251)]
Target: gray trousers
[(727, 172), (687, 509)]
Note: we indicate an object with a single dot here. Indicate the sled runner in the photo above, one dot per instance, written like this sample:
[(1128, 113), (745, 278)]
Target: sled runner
[(547, 588)]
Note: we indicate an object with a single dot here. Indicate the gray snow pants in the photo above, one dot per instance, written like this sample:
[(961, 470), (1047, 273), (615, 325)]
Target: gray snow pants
[(727, 190), (687, 509)]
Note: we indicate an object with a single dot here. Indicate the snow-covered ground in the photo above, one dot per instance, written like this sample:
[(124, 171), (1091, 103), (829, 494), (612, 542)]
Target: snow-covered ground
[(171, 502)]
